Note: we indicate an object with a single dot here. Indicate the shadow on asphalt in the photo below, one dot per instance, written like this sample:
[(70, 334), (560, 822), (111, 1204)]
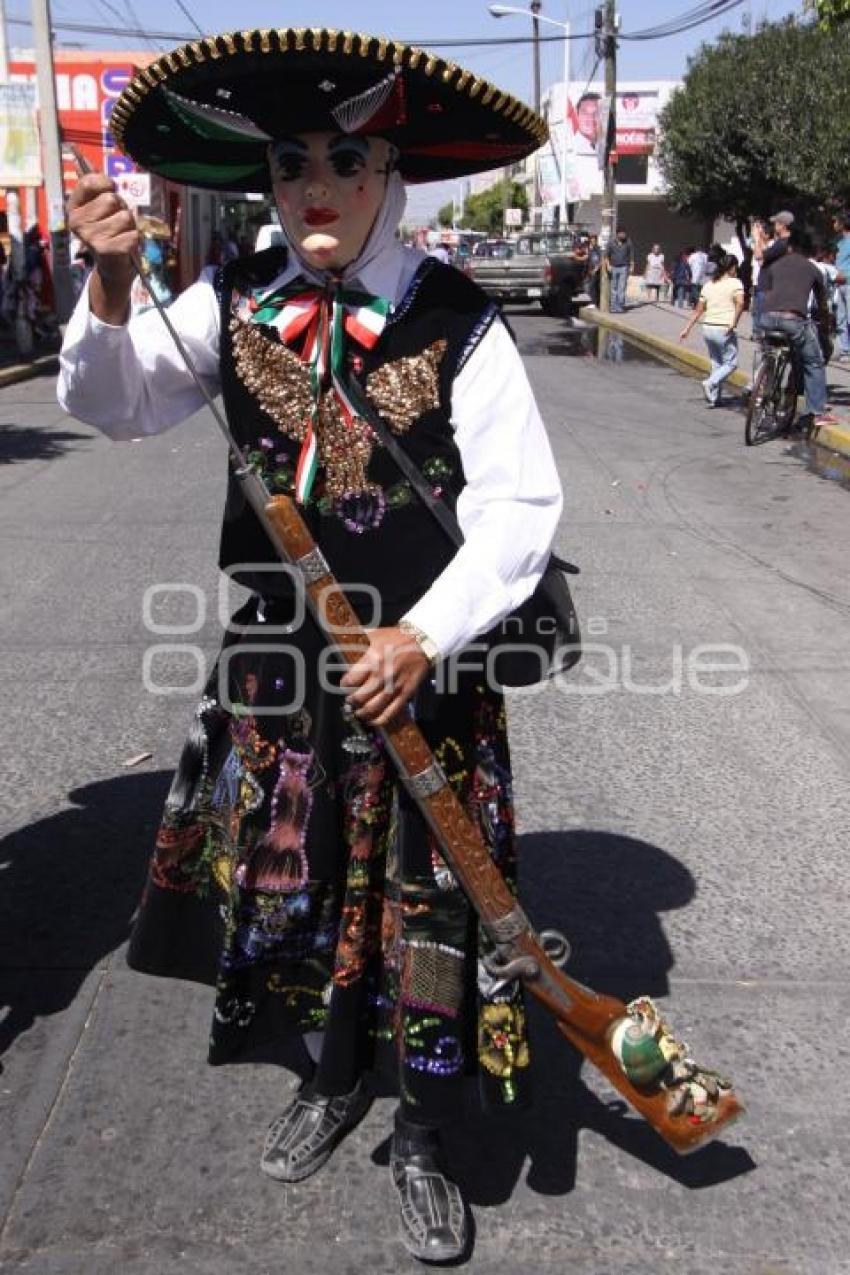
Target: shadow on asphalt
[(21, 442), (69, 887), (605, 892), (71, 884)]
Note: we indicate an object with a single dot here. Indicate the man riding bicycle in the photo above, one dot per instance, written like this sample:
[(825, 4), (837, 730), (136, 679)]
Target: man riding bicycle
[(786, 284)]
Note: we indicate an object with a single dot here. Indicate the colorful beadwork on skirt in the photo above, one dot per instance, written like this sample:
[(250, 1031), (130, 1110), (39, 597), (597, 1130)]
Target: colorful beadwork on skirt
[(292, 868)]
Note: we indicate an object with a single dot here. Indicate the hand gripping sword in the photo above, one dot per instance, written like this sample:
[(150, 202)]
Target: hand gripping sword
[(630, 1044)]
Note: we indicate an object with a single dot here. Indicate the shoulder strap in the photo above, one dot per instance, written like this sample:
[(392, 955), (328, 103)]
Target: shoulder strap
[(409, 468), (416, 478)]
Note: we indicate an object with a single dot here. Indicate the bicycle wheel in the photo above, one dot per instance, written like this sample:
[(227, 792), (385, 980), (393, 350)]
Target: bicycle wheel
[(786, 392), (761, 424)]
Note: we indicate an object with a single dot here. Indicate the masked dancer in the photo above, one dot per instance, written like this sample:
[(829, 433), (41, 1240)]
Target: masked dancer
[(290, 869)]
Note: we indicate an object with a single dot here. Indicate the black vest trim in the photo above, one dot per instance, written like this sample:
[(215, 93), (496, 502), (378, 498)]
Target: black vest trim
[(421, 274), (482, 327)]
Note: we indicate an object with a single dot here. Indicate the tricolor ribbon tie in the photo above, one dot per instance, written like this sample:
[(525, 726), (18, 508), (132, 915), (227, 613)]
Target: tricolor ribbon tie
[(324, 318)]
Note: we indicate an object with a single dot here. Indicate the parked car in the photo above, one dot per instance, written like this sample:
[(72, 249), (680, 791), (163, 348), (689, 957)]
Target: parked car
[(533, 267)]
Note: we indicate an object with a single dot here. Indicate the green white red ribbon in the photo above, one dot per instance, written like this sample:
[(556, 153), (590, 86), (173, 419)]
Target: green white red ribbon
[(319, 321)]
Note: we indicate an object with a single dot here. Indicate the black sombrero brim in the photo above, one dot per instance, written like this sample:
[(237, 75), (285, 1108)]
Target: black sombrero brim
[(204, 113)]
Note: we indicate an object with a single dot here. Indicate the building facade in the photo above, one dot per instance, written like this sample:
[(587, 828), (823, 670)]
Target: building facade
[(569, 169), (87, 87)]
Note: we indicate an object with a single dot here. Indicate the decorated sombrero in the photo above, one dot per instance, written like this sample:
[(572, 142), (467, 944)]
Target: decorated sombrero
[(204, 113)]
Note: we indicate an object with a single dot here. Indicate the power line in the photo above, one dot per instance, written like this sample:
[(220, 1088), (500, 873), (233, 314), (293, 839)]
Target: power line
[(109, 8), (183, 37), (685, 22), (134, 17), (704, 13), (186, 14)]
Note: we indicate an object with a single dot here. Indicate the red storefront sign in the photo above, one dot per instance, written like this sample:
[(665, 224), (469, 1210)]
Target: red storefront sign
[(635, 141), (87, 88)]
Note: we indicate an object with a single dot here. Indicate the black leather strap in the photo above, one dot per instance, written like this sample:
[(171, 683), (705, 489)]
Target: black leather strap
[(416, 478)]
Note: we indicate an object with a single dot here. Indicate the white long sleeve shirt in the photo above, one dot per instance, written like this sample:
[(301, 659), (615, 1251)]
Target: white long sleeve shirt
[(129, 381)]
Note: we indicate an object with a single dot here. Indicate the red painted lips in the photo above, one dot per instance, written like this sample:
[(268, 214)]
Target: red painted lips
[(320, 216)]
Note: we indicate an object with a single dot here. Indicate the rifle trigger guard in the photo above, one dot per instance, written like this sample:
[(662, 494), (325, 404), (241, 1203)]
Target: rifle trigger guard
[(556, 946), (505, 970)]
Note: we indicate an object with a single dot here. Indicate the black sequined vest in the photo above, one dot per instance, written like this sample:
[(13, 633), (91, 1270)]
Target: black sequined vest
[(368, 522)]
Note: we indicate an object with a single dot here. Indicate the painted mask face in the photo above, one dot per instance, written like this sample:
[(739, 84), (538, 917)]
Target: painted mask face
[(329, 188)]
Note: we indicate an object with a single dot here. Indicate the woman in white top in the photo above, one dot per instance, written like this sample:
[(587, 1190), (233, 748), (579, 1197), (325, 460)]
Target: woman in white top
[(720, 307), (654, 275)]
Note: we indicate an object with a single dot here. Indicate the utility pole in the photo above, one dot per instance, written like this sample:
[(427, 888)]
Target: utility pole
[(608, 35), (52, 152), (535, 6), (4, 55), (23, 330)]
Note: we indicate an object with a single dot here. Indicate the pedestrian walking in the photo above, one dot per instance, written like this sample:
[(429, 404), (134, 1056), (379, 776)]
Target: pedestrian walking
[(760, 239), (654, 274), (4, 261), (824, 259), (842, 288), (440, 252), (680, 278), (619, 262), (39, 294), (696, 261), (291, 868), (719, 309), (712, 261), (594, 268)]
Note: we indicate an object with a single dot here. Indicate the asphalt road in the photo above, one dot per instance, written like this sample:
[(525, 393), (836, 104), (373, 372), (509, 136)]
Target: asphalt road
[(686, 827)]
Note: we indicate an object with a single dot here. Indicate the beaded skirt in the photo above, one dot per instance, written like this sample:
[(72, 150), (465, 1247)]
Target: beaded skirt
[(292, 871)]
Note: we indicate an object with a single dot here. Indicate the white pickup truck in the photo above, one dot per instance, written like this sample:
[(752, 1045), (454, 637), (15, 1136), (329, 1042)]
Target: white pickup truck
[(537, 267)]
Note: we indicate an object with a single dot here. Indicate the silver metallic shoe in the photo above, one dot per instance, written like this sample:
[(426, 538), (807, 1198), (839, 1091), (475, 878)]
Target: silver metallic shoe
[(434, 1225), (303, 1136)]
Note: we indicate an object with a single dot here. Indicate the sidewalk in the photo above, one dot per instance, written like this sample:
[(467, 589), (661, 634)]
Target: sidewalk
[(656, 326), (15, 368)]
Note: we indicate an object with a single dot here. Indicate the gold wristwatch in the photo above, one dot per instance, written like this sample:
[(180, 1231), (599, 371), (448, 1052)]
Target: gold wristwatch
[(428, 648)]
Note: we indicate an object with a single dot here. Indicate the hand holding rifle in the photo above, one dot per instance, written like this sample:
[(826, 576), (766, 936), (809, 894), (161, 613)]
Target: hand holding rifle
[(386, 676)]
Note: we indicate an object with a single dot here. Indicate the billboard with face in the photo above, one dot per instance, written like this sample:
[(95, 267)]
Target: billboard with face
[(573, 161)]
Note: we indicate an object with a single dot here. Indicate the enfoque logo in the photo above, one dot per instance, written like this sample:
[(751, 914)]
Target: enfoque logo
[(182, 668)]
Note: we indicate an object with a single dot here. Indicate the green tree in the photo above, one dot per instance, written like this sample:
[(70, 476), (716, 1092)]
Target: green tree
[(830, 13), (485, 211), (446, 214), (761, 122)]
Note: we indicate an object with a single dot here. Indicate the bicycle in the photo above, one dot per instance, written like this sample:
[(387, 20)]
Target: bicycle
[(772, 408)]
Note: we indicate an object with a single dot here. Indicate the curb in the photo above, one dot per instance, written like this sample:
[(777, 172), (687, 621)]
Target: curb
[(658, 345), (25, 371), (834, 437)]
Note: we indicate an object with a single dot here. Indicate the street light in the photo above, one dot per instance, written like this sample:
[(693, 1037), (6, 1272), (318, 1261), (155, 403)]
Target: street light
[(533, 12)]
